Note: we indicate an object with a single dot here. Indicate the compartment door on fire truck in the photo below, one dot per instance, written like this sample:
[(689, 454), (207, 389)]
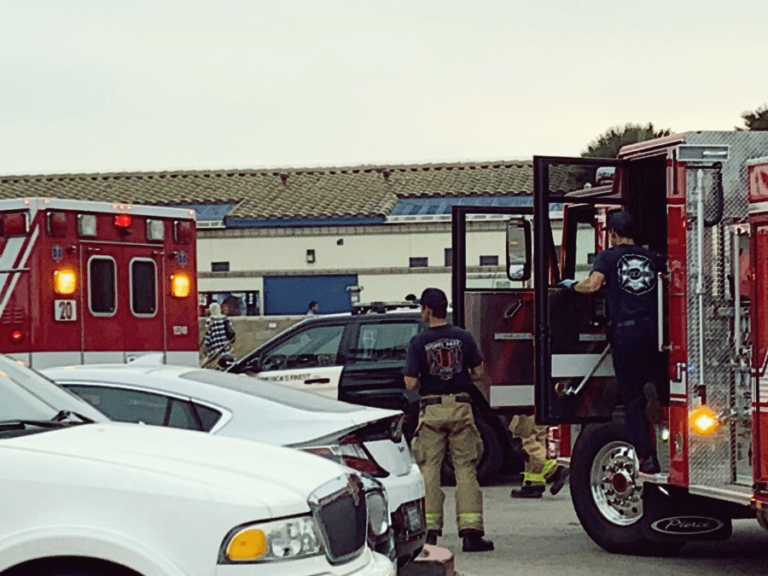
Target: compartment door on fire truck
[(121, 302)]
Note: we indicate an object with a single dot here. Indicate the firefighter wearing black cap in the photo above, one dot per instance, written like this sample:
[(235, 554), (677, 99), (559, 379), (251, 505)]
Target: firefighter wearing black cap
[(443, 361), (628, 273)]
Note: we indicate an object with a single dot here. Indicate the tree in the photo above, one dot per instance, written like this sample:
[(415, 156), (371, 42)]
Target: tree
[(757, 120), (607, 145)]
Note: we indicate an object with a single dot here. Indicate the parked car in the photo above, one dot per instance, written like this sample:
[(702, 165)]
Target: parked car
[(359, 358), (369, 440), (81, 495)]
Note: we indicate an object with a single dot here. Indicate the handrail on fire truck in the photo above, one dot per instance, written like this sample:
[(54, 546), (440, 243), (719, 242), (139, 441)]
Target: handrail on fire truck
[(589, 374)]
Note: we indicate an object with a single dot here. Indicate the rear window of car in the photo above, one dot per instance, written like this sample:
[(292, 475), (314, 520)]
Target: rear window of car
[(269, 391)]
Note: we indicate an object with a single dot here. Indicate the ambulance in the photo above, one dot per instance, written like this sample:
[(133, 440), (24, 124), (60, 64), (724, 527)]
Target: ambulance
[(94, 282)]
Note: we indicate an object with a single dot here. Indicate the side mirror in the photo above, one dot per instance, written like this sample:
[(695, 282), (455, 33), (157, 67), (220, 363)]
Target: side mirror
[(519, 249)]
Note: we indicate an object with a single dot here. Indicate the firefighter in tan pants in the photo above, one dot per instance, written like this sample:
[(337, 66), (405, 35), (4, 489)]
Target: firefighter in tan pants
[(443, 361), (538, 470)]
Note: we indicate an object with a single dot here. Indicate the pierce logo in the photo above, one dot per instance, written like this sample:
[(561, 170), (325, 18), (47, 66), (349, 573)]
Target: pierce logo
[(687, 525)]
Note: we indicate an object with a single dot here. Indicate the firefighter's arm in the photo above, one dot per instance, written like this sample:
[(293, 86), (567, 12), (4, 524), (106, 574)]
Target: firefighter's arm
[(592, 284), (477, 373), (411, 382)]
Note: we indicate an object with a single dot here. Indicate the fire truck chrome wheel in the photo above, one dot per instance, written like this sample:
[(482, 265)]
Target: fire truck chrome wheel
[(613, 480)]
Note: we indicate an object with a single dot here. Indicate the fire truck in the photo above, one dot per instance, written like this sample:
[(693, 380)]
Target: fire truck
[(91, 282), (700, 201)]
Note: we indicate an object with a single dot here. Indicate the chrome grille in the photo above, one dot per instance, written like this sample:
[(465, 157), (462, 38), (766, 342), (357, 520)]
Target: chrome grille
[(340, 509)]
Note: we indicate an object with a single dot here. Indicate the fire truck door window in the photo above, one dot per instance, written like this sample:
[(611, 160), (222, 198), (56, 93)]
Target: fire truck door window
[(310, 348), (102, 285), (208, 416), (383, 341), (585, 250), (122, 405), (143, 287)]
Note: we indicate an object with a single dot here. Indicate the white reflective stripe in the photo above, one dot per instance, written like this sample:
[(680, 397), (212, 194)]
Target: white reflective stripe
[(21, 264), (579, 365), (677, 388), (512, 396), (42, 360), (758, 207), (189, 358)]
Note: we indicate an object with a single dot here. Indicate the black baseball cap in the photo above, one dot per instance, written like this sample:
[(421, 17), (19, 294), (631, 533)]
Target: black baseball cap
[(433, 298)]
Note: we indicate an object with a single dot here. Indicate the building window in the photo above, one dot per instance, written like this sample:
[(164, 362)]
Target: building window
[(421, 262), (489, 260), (449, 257), (219, 266), (232, 303)]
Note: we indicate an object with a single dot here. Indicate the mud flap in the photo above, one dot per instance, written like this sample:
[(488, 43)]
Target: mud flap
[(671, 514)]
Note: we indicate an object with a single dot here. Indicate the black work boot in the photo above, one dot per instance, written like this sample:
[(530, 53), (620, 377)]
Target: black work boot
[(559, 478), (432, 536), (473, 541), (528, 491)]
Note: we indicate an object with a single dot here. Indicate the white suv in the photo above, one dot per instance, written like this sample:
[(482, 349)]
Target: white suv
[(85, 497)]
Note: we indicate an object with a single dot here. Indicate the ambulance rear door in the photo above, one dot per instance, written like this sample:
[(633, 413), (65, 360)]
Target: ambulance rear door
[(122, 301)]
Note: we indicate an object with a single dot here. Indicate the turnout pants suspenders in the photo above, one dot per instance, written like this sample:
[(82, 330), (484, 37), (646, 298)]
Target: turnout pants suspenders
[(447, 422)]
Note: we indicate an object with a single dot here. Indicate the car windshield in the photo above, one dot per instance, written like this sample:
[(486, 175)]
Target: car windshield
[(27, 395), (268, 391)]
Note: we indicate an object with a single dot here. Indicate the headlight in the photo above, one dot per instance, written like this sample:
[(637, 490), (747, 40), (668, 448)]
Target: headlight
[(272, 541), (378, 513)]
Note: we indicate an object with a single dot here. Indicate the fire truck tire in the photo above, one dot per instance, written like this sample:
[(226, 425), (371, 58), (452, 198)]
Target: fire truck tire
[(606, 493), (490, 460)]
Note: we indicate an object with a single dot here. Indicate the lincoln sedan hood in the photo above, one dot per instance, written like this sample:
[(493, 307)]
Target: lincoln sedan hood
[(153, 459)]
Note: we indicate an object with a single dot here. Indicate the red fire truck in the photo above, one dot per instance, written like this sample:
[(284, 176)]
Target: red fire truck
[(700, 200), (90, 282)]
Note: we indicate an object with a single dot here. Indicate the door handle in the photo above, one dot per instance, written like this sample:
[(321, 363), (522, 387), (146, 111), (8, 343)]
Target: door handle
[(318, 381)]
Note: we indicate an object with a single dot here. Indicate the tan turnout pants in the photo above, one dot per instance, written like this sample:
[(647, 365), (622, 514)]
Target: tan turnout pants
[(534, 438), (449, 423)]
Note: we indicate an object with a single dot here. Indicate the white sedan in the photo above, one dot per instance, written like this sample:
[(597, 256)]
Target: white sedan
[(366, 439)]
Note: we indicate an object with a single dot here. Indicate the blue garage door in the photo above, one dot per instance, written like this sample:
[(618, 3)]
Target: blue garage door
[(285, 295)]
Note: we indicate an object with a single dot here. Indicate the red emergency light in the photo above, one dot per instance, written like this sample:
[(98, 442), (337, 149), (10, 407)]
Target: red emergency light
[(123, 221), (17, 336)]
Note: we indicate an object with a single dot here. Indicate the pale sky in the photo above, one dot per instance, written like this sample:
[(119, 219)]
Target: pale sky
[(110, 85)]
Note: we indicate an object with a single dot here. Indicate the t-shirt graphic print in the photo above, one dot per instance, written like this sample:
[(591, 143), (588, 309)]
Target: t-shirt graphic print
[(445, 357), (635, 273)]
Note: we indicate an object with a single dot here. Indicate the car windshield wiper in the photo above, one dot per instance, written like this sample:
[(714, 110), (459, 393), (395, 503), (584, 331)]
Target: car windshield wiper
[(65, 416), (60, 420)]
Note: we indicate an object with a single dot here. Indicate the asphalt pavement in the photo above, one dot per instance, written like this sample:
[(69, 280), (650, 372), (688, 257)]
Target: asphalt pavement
[(543, 538)]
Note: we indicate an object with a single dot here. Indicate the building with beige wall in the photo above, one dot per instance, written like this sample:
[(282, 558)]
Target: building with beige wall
[(277, 238)]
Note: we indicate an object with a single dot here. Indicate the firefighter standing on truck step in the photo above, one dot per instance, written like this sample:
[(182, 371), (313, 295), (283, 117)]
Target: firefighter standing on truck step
[(629, 272), (443, 361)]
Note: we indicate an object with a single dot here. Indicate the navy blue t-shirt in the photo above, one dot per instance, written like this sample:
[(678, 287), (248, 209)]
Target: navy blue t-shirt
[(441, 357), (630, 281)]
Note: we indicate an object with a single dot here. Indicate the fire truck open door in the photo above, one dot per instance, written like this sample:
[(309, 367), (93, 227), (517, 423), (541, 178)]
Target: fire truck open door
[(497, 308), (574, 373), (121, 299)]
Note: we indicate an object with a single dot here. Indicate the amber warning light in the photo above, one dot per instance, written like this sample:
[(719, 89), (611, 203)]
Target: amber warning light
[(180, 285)]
